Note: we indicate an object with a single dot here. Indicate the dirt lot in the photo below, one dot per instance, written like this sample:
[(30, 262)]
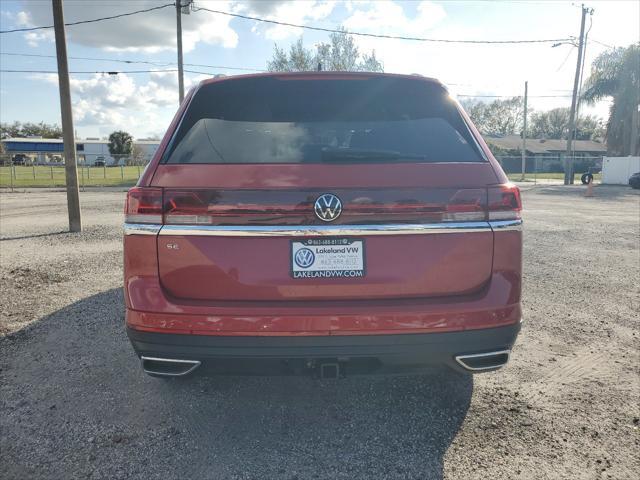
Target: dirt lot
[(75, 404)]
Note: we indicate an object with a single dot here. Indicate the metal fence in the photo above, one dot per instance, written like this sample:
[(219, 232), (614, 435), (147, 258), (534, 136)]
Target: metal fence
[(548, 167), (123, 170), (20, 172)]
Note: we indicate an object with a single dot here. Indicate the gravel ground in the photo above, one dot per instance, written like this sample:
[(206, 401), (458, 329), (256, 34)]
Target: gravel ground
[(75, 403)]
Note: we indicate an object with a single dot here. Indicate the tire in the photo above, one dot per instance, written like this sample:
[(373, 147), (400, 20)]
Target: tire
[(586, 178)]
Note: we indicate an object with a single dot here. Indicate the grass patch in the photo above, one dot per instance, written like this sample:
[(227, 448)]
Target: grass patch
[(44, 176)]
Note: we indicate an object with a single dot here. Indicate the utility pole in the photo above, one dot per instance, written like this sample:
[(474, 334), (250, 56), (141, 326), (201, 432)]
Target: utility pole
[(524, 134), (179, 35), (568, 161), (70, 164)]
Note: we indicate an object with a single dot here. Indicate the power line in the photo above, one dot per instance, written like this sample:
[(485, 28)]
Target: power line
[(511, 96), (209, 73), (31, 29), (223, 67), (106, 72), (601, 43), (112, 72), (146, 62), (566, 58), (393, 37)]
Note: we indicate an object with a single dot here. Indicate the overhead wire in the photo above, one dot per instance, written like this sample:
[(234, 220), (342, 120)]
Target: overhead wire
[(258, 19), (566, 58), (105, 72), (375, 35), (93, 20), (146, 62), (289, 24), (113, 72), (510, 96)]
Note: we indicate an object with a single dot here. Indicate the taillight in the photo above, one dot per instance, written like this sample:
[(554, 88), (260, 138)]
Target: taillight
[(203, 207), (466, 205), (504, 202), (143, 205), (189, 206)]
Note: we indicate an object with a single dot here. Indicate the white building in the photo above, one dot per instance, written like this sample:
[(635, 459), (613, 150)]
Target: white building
[(95, 150), (89, 151)]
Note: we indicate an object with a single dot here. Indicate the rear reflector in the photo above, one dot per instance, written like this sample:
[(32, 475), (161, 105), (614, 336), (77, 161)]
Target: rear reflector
[(143, 205), (504, 202)]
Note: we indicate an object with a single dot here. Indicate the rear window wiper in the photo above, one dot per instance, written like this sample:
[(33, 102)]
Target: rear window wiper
[(336, 154)]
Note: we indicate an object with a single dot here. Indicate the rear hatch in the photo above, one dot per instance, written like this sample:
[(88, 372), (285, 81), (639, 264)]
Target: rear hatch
[(323, 188)]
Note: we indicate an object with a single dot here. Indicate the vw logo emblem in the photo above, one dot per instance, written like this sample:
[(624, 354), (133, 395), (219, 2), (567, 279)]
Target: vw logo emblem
[(304, 258), (328, 207)]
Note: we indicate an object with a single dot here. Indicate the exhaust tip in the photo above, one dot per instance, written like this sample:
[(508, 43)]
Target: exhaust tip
[(478, 362), (168, 367)]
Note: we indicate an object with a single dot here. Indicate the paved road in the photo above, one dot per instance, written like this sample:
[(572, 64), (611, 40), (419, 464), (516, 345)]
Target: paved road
[(75, 404)]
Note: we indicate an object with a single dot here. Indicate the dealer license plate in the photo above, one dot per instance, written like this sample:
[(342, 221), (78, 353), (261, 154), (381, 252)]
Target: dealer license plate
[(327, 258)]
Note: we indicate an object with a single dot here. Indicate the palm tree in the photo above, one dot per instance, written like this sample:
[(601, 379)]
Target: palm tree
[(615, 74)]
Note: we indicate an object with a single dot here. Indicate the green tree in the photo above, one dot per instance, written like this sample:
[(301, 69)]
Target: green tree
[(615, 75), (555, 124), (497, 118), (299, 59), (29, 129), (340, 54), (120, 143)]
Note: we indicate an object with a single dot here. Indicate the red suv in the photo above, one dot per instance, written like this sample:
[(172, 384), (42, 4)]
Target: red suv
[(322, 222)]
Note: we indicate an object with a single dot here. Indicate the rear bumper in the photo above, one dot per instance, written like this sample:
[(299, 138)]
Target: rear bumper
[(397, 353)]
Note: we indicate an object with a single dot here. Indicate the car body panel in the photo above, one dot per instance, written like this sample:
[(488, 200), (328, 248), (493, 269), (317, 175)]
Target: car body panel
[(230, 276), (219, 268), (150, 307)]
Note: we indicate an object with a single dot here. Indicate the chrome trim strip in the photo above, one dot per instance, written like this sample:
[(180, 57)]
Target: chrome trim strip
[(194, 364), (323, 230), (506, 225), (460, 360), (141, 228)]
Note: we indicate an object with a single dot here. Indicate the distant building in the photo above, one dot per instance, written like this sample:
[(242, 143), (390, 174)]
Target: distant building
[(89, 151), (548, 147), (545, 155)]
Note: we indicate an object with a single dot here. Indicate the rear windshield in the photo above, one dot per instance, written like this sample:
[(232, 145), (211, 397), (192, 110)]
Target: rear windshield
[(278, 120)]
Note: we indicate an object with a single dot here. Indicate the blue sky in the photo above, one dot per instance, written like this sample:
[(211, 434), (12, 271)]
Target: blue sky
[(144, 104)]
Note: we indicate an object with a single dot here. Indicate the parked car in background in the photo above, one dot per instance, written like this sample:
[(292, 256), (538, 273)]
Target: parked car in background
[(330, 223), (634, 180), (100, 162), (19, 159)]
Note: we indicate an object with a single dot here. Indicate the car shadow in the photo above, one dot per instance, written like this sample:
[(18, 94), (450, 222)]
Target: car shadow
[(78, 405)]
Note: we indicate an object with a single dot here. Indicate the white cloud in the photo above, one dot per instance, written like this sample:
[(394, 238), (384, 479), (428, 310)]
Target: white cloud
[(385, 15), (467, 69), (122, 102), (296, 12), (145, 32)]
